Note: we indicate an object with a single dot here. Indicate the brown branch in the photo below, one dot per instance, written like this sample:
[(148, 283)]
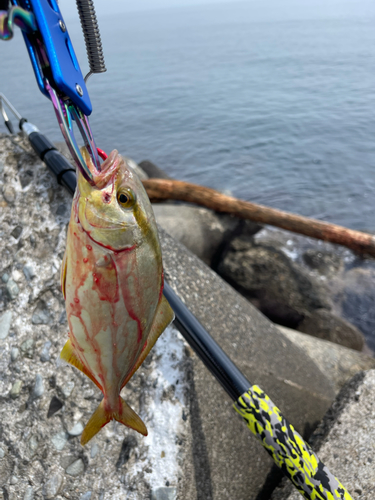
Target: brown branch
[(165, 189)]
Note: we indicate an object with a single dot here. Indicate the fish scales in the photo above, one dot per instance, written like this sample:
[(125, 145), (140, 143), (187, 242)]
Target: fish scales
[(112, 280)]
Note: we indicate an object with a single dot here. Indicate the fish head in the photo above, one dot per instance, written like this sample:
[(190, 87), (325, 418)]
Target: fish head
[(116, 211)]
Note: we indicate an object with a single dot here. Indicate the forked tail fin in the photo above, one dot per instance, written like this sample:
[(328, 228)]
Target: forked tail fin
[(101, 417)]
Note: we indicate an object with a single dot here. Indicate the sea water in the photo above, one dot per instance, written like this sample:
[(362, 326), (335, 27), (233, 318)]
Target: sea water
[(273, 105)]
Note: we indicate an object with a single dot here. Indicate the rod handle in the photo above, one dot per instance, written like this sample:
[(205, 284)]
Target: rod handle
[(287, 448)]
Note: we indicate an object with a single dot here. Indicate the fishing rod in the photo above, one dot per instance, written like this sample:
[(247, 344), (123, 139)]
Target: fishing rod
[(288, 449), (60, 79)]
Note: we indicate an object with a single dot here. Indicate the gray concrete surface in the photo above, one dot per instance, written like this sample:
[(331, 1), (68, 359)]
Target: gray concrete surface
[(337, 362), (345, 440)]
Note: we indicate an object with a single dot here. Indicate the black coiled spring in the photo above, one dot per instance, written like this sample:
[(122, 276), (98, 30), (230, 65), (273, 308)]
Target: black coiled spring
[(91, 33)]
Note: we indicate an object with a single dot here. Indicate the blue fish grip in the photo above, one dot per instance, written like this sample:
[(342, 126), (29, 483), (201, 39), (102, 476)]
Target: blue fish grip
[(52, 55)]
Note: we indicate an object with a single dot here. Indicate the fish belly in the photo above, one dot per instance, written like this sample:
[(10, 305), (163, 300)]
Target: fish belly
[(111, 299)]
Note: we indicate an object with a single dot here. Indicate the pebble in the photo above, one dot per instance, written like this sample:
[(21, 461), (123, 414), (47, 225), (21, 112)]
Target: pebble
[(164, 494), (41, 315), (59, 440), (16, 389), (33, 444), (2, 453), (13, 480), (14, 353), (76, 430), (53, 486), (67, 388), (16, 275), (63, 318), (76, 468), (38, 387), (27, 347), (17, 231), (32, 240), (29, 493), (94, 450), (5, 277), (29, 271), (86, 496), (9, 194), (44, 355), (12, 289), (5, 321)]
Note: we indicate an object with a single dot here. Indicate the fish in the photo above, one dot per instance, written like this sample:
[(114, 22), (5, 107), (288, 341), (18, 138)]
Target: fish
[(112, 281)]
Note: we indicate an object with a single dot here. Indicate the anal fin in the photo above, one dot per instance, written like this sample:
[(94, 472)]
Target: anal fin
[(163, 317), (102, 416), (68, 355)]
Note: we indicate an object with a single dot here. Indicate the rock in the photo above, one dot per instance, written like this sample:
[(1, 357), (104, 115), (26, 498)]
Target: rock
[(137, 169), (2, 453), (252, 268), (41, 315), (152, 171), (326, 325), (45, 355), (29, 493), (5, 322), (27, 348), (76, 468), (5, 278), (38, 387), (17, 231), (63, 318), (13, 480), (344, 439), (55, 406), (14, 353), (16, 389), (59, 440), (256, 346), (128, 444), (9, 194), (164, 494), (357, 301), (12, 289), (201, 230), (53, 486), (94, 450), (86, 496), (76, 430), (29, 271), (67, 388), (33, 444), (326, 263), (339, 363)]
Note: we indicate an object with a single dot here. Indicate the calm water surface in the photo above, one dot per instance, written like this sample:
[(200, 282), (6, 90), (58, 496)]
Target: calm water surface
[(279, 111)]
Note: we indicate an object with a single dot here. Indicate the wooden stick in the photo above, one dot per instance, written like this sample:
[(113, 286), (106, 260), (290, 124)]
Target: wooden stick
[(165, 189)]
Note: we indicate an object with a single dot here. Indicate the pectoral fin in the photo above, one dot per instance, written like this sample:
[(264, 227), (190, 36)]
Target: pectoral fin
[(63, 274), (163, 317), (68, 355)]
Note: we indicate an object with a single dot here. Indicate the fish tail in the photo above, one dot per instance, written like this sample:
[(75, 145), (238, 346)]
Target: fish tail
[(102, 416)]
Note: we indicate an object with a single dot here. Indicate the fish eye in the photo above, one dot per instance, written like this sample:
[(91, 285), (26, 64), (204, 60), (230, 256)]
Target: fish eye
[(126, 198)]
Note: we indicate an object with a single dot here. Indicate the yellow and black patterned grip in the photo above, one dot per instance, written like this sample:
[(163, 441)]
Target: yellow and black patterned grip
[(287, 448)]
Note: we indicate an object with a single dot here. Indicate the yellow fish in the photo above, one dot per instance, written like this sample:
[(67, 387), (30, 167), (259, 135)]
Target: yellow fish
[(112, 281)]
